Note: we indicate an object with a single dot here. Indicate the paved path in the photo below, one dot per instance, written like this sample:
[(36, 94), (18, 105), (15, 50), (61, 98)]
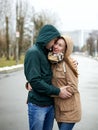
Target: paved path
[(13, 109)]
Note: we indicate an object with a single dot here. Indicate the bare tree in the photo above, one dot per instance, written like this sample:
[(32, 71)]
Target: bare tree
[(5, 15), (42, 18), (23, 20), (92, 43), (7, 38), (21, 11)]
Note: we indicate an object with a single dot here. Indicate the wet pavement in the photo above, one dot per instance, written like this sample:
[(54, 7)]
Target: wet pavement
[(13, 108)]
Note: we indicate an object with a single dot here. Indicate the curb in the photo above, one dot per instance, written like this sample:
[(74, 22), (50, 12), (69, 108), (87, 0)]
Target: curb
[(10, 69)]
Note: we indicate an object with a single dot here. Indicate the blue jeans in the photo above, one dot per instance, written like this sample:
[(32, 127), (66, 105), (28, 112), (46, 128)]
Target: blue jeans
[(40, 118), (65, 126)]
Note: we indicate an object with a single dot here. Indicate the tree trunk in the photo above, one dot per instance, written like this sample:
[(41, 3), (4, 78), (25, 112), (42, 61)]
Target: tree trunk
[(7, 38), (21, 35)]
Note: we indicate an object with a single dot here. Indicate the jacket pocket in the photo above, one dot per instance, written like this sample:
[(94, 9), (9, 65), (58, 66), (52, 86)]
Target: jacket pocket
[(60, 73), (66, 104)]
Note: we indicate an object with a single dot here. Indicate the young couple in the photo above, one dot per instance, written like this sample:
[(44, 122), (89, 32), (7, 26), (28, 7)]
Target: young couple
[(53, 82)]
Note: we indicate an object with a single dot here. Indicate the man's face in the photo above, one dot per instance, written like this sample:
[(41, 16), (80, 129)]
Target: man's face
[(50, 44)]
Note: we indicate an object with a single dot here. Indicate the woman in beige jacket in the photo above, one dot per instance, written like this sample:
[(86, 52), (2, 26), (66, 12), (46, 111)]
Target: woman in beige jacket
[(67, 111)]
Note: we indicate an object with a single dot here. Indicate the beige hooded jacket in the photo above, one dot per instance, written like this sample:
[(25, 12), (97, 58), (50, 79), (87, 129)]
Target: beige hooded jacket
[(66, 110)]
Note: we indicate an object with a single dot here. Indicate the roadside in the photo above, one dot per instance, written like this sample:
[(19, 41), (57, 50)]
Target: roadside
[(7, 71), (10, 69)]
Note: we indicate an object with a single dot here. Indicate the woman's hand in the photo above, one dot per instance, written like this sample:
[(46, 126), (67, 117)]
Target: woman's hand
[(75, 63)]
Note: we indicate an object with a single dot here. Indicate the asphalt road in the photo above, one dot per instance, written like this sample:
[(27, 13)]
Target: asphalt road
[(13, 108)]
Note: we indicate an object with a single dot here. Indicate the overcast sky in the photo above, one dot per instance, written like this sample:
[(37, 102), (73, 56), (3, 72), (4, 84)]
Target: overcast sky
[(73, 14)]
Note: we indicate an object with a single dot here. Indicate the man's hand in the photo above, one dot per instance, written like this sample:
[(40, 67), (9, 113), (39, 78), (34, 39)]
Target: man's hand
[(64, 93), (28, 86)]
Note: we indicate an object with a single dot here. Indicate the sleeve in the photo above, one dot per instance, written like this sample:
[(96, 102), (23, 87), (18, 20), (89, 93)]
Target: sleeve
[(33, 75), (71, 80)]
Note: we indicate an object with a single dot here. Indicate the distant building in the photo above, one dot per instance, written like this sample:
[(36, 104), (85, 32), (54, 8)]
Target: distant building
[(79, 36)]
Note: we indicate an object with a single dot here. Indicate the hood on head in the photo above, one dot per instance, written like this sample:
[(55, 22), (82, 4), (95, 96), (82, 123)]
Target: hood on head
[(69, 43), (46, 34)]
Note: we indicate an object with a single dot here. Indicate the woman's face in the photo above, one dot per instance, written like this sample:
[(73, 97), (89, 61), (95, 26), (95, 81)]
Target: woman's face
[(59, 46)]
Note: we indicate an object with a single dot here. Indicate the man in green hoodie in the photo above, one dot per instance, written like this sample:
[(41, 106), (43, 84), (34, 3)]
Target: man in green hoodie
[(38, 73)]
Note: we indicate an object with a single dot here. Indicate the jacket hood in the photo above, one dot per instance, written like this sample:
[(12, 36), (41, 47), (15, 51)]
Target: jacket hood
[(69, 43), (46, 34)]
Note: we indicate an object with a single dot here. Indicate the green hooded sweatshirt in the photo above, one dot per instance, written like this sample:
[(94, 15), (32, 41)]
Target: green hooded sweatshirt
[(37, 68)]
